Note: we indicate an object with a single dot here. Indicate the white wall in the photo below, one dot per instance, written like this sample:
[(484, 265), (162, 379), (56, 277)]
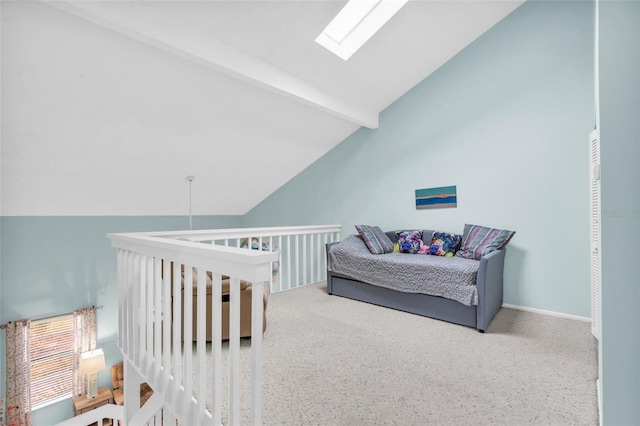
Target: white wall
[(506, 121)]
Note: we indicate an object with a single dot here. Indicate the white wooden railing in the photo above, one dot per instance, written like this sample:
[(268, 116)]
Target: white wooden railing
[(153, 322), (300, 248), (108, 414)]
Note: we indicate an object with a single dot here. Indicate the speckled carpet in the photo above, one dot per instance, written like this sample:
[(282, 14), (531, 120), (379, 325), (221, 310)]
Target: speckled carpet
[(334, 361)]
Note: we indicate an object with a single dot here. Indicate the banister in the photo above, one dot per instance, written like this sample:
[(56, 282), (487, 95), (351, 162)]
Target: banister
[(156, 313), (108, 411), (249, 265), (243, 232)]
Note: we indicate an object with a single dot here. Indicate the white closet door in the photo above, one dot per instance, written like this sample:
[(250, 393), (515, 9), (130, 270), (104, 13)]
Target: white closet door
[(595, 232)]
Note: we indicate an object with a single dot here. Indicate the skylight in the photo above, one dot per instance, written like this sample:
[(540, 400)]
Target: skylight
[(356, 23)]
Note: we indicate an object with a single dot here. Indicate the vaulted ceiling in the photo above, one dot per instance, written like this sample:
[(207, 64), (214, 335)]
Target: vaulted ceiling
[(107, 107)]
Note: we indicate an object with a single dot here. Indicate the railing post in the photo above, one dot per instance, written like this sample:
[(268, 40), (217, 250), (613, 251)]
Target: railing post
[(187, 338), (257, 309), (280, 268), (304, 259), (201, 347), (216, 347), (288, 261), (234, 351), (176, 333), (148, 322), (156, 361), (166, 329), (297, 254), (121, 297)]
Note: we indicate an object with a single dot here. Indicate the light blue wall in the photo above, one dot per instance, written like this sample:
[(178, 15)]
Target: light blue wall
[(507, 121), (620, 156), (53, 265)]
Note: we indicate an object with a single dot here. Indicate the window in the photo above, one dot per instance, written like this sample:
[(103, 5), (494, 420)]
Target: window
[(356, 23), (51, 347), (2, 421)]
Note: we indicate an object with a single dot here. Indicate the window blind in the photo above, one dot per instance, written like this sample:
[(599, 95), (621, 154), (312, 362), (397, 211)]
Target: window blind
[(595, 212), (51, 351)]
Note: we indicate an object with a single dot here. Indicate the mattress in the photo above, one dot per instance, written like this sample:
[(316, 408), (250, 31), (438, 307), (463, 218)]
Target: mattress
[(449, 277)]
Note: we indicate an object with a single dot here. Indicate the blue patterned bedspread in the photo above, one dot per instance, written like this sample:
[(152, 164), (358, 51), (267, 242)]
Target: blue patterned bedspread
[(449, 277)]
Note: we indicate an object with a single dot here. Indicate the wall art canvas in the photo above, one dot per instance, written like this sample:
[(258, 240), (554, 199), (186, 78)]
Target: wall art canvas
[(436, 198)]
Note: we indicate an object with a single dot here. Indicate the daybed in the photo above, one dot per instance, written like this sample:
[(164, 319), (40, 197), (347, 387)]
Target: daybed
[(384, 279)]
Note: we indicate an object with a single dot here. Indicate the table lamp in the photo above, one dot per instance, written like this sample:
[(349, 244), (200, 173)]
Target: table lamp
[(90, 363)]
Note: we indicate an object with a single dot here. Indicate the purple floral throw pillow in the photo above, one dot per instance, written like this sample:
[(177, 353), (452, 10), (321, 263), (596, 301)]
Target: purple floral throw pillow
[(409, 241)]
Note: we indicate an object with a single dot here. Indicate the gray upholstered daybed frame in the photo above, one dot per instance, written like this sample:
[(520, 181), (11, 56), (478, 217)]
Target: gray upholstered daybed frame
[(489, 285)]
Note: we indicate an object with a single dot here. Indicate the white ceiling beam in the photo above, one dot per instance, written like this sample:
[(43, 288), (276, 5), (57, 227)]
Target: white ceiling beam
[(146, 25)]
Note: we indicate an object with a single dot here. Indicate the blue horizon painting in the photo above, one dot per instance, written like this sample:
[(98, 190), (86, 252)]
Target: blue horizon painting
[(434, 198)]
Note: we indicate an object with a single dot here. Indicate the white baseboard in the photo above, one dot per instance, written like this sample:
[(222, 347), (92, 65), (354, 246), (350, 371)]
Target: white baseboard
[(543, 312)]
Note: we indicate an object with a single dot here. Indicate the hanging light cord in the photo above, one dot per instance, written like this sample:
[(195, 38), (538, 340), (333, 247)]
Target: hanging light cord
[(190, 179)]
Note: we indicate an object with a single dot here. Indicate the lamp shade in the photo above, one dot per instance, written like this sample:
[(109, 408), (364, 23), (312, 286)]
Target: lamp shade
[(92, 361)]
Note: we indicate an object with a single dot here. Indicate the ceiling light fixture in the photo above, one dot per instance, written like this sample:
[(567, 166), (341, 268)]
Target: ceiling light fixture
[(356, 23)]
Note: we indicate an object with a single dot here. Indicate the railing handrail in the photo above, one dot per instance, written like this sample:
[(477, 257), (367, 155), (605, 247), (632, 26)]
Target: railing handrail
[(221, 234), (107, 411), (133, 241), (232, 260)]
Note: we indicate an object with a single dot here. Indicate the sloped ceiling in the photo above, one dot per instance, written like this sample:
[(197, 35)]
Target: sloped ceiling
[(107, 107)]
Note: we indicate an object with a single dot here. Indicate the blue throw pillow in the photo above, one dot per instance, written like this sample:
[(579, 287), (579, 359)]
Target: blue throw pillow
[(443, 244)]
